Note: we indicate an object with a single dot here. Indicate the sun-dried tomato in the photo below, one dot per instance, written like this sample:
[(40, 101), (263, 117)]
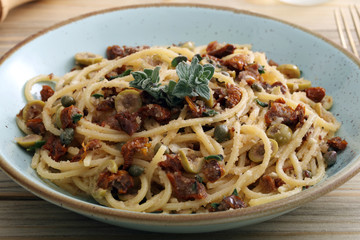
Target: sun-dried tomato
[(130, 148)]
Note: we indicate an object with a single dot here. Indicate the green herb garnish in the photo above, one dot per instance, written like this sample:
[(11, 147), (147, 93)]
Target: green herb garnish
[(215, 205), (235, 192), (261, 69), (261, 104), (126, 73), (76, 117), (177, 60), (193, 82), (210, 113), (218, 157), (38, 144), (198, 178), (198, 57), (97, 95)]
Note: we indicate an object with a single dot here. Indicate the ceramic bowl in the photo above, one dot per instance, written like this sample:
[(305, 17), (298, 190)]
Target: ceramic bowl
[(52, 51)]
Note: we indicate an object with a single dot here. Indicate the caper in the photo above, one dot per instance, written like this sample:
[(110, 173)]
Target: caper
[(135, 170), (256, 87), (178, 60), (225, 73), (67, 136), (32, 109), (128, 100), (86, 58), (298, 84), (280, 133), (330, 158), (191, 160), (221, 133), (157, 147), (256, 153), (289, 70), (189, 45), (28, 140), (67, 101), (327, 102)]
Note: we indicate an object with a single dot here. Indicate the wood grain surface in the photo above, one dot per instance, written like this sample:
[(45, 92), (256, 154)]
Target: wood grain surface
[(24, 216)]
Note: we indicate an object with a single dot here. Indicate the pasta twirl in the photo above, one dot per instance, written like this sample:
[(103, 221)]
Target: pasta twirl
[(180, 129)]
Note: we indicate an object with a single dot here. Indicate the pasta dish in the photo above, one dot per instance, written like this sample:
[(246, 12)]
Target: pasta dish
[(180, 128)]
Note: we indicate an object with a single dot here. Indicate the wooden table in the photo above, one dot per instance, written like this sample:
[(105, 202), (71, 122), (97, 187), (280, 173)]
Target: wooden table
[(24, 216)]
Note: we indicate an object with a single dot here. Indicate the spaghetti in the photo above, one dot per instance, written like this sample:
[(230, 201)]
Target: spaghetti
[(180, 129)]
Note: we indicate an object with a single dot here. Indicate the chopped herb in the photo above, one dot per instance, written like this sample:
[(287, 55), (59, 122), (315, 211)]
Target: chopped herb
[(38, 144), (215, 205), (235, 192), (218, 157), (76, 117), (210, 113), (158, 211), (261, 104), (301, 73), (198, 57), (126, 73), (177, 60), (198, 178), (261, 69), (195, 187), (97, 95), (193, 82)]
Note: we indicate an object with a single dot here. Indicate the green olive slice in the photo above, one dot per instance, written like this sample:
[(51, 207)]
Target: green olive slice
[(256, 153), (327, 102), (32, 109), (86, 58), (209, 102), (289, 70), (281, 133), (28, 140), (190, 160), (298, 84), (189, 45), (128, 100), (157, 147)]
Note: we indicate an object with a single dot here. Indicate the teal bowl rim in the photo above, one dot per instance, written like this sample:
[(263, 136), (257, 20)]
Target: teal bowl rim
[(201, 219)]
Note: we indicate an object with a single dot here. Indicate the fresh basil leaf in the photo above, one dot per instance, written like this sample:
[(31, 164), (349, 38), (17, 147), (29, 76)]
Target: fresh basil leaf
[(182, 89), (209, 67), (198, 57), (177, 60), (148, 72), (182, 70), (203, 91)]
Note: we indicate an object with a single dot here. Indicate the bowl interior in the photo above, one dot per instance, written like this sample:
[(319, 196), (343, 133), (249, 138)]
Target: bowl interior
[(52, 52)]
